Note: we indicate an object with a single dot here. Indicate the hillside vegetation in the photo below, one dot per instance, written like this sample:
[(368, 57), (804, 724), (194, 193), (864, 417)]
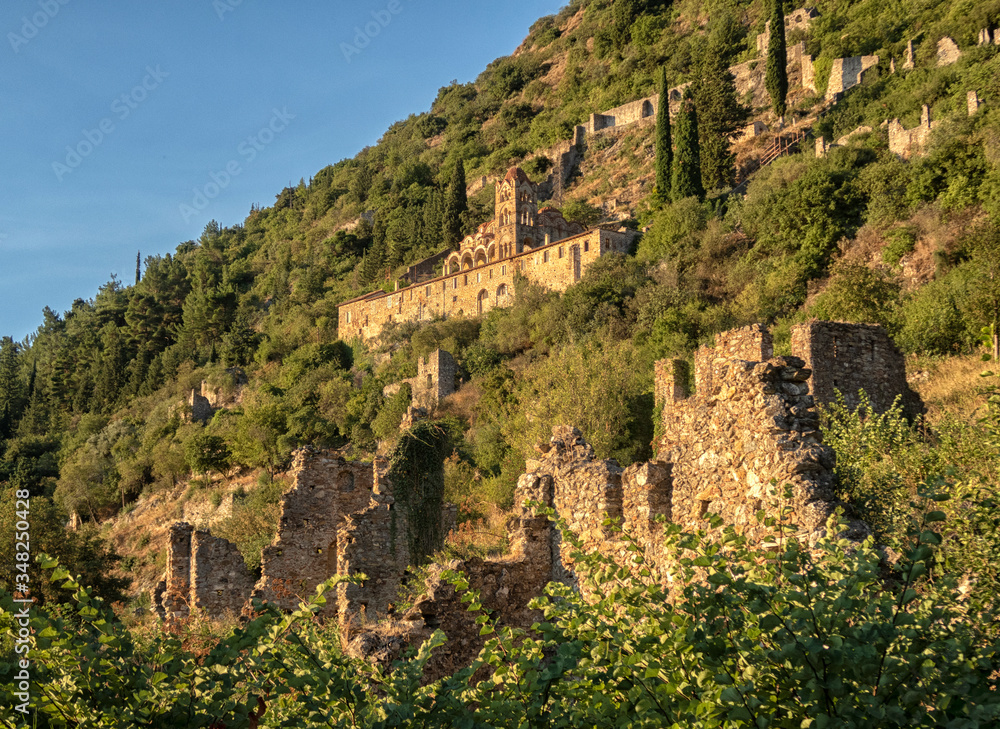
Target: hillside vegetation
[(93, 405)]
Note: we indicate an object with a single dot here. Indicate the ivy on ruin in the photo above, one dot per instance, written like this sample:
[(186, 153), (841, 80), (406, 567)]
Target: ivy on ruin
[(416, 471)]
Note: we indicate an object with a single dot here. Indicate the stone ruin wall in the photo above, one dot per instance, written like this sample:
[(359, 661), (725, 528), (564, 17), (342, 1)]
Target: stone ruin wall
[(947, 51), (306, 552), (220, 581), (907, 143), (435, 380), (848, 73), (337, 519), (854, 357)]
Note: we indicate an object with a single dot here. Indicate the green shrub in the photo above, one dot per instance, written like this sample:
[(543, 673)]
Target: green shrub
[(901, 242)]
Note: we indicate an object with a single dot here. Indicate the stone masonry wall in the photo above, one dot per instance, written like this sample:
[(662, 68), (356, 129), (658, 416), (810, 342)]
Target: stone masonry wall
[(326, 489), (947, 52), (337, 518), (726, 445), (505, 587), (177, 596), (910, 142), (435, 379), (853, 357), (711, 364), (847, 73), (371, 542), (220, 581)]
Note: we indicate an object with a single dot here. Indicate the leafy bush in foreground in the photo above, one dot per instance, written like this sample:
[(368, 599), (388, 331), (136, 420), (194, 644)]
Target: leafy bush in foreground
[(783, 638)]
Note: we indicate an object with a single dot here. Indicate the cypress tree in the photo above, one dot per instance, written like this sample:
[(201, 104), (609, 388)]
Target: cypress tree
[(455, 204), (664, 145), (776, 79), (687, 159), (720, 116)]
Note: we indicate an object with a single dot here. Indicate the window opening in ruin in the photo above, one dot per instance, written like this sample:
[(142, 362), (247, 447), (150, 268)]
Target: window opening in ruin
[(545, 257), (560, 251), (430, 381), (586, 245)]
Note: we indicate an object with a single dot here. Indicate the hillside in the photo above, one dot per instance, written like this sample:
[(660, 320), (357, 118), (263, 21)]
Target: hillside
[(95, 418), (183, 397)]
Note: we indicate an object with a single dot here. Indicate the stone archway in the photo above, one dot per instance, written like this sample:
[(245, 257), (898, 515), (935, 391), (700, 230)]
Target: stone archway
[(483, 301)]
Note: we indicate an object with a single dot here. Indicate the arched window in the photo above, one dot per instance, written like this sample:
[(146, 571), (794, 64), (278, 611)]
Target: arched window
[(483, 301), (501, 292)]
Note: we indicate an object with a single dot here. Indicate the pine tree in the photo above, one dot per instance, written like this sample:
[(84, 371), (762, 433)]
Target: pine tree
[(687, 158), (455, 204), (373, 265), (664, 145), (776, 79), (720, 116)]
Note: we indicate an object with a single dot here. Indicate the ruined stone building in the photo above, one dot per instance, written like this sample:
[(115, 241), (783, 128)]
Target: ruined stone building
[(751, 421), (538, 244), (908, 143), (435, 380), (338, 518)]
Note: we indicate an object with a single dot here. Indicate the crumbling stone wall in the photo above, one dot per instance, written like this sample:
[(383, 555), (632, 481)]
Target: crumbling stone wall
[(505, 586), (711, 364), (909, 142), (727, 443), (220, 581), (851, 357), (326, 489), (177, 592), (203, 572), (337, 518), (848, 73), (751, 423), (435, 380), (972, 102), (947, 52)]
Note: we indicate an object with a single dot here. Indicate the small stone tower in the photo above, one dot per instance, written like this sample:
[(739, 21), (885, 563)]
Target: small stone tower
[(517, 213)]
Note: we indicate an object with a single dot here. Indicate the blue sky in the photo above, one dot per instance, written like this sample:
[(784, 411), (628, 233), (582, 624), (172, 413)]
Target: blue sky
[(116, 114)]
